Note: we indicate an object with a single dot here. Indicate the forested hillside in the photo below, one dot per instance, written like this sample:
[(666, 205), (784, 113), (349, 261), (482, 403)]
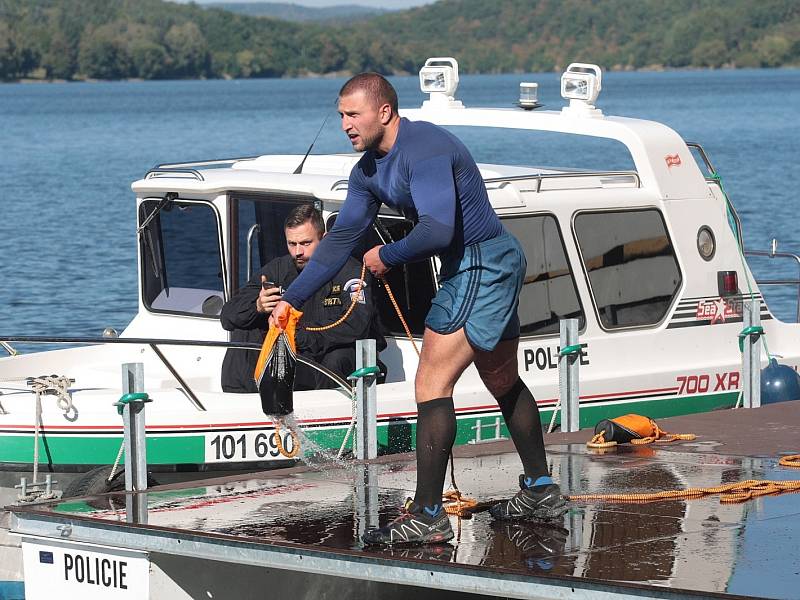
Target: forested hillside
[(297, 12), (151, 39)]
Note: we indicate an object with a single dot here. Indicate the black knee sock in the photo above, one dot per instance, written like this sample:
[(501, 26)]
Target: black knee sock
[(522, 418), (436, 432)]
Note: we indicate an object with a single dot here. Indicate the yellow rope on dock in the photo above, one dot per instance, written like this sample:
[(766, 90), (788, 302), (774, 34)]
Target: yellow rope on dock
[(456, 504), (729, 493), (793, 460)]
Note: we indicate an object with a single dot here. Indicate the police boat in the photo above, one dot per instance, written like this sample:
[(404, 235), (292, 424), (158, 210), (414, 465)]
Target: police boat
[(649, 260)]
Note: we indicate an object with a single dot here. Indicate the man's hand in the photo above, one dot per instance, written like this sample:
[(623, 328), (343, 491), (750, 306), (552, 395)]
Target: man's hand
[(267, 298), (280, 315), (374, 263)]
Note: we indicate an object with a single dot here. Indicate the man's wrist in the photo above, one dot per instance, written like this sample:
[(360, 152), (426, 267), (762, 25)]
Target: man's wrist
[(385, 259)]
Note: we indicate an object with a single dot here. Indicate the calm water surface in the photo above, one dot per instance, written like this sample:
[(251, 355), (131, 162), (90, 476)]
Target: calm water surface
[(70, 152)]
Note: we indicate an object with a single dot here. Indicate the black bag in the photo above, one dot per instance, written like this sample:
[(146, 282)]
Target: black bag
[(275, 368), (276, 384)]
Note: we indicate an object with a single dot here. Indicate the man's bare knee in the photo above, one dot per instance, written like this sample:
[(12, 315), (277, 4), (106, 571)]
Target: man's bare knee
[(500, 383)]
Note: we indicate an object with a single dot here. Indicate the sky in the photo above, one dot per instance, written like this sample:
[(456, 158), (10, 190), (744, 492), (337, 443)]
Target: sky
[(389, 4)]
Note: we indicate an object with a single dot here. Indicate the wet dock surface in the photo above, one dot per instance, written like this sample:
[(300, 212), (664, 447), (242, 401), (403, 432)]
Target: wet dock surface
[(701, 547)]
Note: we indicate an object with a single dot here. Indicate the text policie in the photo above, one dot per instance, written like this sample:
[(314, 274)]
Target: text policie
[(547, 358), (96, 571)]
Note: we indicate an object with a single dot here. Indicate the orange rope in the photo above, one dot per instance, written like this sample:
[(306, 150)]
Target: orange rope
[(279, 442), (729, 493), (792, 460), (406, 328), (354, 300), (599, 441)]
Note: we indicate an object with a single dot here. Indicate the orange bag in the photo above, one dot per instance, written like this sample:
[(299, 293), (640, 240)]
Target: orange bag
[(275, 368), (635, 429)]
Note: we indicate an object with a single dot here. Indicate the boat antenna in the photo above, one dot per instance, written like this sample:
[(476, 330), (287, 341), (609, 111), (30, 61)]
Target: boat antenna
[(299, 168)]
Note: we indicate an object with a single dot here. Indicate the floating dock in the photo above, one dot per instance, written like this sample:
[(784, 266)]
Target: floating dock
[(294, 533)]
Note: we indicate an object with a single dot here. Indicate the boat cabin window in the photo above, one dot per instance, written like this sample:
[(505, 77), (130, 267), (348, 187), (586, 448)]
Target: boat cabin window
[(258, 226), (182, 268), (413, 285), (631, 265), (548, 291)]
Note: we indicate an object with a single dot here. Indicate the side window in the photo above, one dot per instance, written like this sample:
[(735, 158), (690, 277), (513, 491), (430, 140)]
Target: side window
[(257, 224), (413, 285), (181, 262), (548, 292), (631, 264)]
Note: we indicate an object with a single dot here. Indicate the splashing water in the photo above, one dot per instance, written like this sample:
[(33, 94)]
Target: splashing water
[(311, 453)]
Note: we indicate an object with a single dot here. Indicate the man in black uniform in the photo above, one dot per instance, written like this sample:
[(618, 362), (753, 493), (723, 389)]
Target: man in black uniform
[(246, 313)]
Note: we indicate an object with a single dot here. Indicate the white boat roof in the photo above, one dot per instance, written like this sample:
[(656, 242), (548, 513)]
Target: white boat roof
[(663, 162)]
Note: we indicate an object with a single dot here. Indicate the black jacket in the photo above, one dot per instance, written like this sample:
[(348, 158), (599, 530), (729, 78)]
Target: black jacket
[(239, 315)]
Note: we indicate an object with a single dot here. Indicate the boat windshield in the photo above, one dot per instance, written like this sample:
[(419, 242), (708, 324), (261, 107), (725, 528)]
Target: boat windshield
[(181, 260)]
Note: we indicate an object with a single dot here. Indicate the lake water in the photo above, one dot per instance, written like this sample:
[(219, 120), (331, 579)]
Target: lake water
[(70, 152)]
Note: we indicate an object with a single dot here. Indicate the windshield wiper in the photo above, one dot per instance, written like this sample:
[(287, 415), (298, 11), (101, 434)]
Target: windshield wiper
[(167, 200)]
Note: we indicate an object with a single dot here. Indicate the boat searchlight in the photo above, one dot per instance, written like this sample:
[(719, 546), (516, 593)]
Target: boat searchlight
[(439, 78), (581, 84)]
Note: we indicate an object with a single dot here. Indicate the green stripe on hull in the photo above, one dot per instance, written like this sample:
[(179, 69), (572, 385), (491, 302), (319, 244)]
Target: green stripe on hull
[(94, 450), (394, 437)]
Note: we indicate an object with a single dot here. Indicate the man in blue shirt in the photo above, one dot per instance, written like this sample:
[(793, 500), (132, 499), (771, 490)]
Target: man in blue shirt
[(427, 174)]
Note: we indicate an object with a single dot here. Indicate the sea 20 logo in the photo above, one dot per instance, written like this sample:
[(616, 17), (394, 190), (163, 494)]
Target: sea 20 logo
[(544, 359)]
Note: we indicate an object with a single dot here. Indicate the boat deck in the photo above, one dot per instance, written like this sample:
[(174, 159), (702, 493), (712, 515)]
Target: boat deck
[(296, 531)]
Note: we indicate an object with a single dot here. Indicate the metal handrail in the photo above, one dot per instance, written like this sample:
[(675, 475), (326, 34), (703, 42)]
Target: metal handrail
[(773, 253), (703, 155), (344, 387), (254, 228), (152, 173), (539, 177), (203, 163)]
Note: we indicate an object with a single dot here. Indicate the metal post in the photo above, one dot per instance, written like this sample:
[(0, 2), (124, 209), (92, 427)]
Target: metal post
[(751, 356), (568, 375), (133, 417), (367, 403), (366, 484), (133, 420)]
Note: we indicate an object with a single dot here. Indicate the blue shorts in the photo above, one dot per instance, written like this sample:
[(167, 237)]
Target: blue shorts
[(480, 292)]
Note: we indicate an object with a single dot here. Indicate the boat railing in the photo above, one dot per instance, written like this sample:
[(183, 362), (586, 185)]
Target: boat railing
[(185, 173), (154, 343), (192, 168), (773, 253), (618, 177), (215, 162)]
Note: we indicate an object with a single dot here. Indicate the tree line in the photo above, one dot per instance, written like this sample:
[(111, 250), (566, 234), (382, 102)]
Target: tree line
[(153, 39)]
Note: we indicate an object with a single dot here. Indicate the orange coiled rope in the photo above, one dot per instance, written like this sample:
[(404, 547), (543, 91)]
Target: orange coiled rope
[(793, 460), (599, 440), (728, 494), (279, 442)]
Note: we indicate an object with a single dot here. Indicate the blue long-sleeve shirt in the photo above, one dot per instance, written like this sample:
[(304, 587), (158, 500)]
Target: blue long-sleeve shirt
[(431, 178)]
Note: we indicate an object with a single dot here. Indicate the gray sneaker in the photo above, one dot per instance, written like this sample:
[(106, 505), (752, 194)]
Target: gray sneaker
[(413, 527), (545, 504)]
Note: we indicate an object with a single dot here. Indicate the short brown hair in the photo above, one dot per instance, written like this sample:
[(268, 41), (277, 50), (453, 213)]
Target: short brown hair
[(375, 86), (302, 214)]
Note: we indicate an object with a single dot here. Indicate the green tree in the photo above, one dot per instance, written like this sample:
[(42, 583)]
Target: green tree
[(772, 50), (60, 61), (149, 59), (188, 50), (17, 59), (102, 56)]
